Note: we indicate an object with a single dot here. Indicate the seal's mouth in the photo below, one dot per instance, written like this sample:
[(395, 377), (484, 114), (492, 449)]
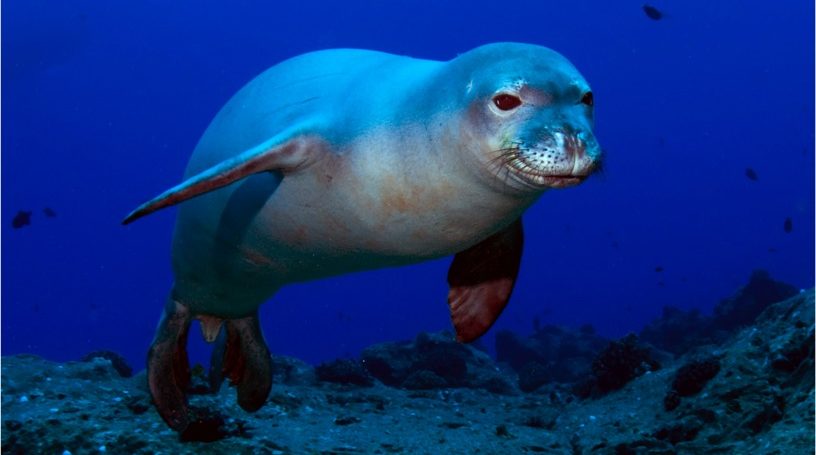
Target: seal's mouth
[(517, 165), (530, 174)]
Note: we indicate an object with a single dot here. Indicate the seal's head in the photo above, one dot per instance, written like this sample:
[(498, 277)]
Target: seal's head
[(529, 117)]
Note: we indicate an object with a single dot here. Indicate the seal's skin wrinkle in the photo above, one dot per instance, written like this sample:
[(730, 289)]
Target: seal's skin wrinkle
[(345, 160)]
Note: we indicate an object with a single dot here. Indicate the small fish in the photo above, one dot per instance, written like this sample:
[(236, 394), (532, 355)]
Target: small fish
[(658, 269), (21, 219), (788, 225), (661, 284), (751, 174), (652, 12), (772, 250), (49, 212)]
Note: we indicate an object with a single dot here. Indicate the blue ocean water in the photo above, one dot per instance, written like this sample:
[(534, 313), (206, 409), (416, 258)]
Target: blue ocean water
[(103, 103)]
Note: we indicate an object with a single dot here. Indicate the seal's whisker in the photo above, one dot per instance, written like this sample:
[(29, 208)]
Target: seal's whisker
[(498, 165), (506, 158)]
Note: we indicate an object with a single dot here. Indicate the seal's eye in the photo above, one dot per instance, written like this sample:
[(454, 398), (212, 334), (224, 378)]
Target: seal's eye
[(588, 99), (506, 102)]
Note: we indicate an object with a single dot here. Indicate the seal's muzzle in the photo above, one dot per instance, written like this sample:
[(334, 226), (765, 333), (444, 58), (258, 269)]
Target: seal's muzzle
[(557, 158)]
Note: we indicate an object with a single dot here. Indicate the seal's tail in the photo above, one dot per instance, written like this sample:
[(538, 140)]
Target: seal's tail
[(168, 369), (241, 355)]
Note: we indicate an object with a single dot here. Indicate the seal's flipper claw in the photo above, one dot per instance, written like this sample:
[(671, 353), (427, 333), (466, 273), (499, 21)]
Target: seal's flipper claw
[(481, 280), (246, 362), (282, 153), (168, 369)]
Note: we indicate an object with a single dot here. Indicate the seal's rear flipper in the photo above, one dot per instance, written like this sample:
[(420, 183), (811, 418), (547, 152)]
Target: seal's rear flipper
[(168, 369), (481, 280), (242, 356), (285, 153)]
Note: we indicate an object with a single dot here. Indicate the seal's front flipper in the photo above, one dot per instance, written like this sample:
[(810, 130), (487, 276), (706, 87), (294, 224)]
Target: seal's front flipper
[(168, 369), (481, 279), (242, 356), (286, 153)]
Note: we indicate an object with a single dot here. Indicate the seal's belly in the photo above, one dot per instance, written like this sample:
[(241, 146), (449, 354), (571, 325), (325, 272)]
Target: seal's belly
[(318, 224)]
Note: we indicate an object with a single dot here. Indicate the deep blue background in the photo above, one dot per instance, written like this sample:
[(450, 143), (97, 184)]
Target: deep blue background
[(102, 103)]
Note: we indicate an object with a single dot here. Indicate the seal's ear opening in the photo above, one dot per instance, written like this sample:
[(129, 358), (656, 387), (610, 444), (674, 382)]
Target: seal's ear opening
[(273, 155)]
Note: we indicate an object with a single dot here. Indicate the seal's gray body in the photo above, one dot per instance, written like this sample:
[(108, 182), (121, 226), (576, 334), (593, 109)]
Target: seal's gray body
[(386, 192), (346, 160)]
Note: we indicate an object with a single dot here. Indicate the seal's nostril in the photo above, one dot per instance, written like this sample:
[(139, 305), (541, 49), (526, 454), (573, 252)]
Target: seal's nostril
[(574, 146)]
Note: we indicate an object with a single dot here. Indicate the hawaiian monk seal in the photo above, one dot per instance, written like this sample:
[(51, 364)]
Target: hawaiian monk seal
[(344, 160)]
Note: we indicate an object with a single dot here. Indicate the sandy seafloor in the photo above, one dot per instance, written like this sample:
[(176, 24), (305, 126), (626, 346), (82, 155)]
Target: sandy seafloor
[(761, 401)]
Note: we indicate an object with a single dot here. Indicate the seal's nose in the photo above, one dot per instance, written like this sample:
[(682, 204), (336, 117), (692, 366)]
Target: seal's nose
[(579, 148), (573, 145)]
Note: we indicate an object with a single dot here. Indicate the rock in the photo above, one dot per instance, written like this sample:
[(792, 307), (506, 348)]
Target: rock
[(693, 376), (743, 307), (12, 425), (794, 354), (96, 368), (551, 354), (434, 360), (424, 380), (119, 363), (770, 412), (206, 425), (346, 420), (497, 382), (740, 391), (690, 380), (140, 381), (761, 401), (292, 371), (684, 431), (619, 363), (389, 362), (138, 404), (199, 380), (448, 360), (518, 351), (678, 331), (533, 376), (671, 401), (344, 371)]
